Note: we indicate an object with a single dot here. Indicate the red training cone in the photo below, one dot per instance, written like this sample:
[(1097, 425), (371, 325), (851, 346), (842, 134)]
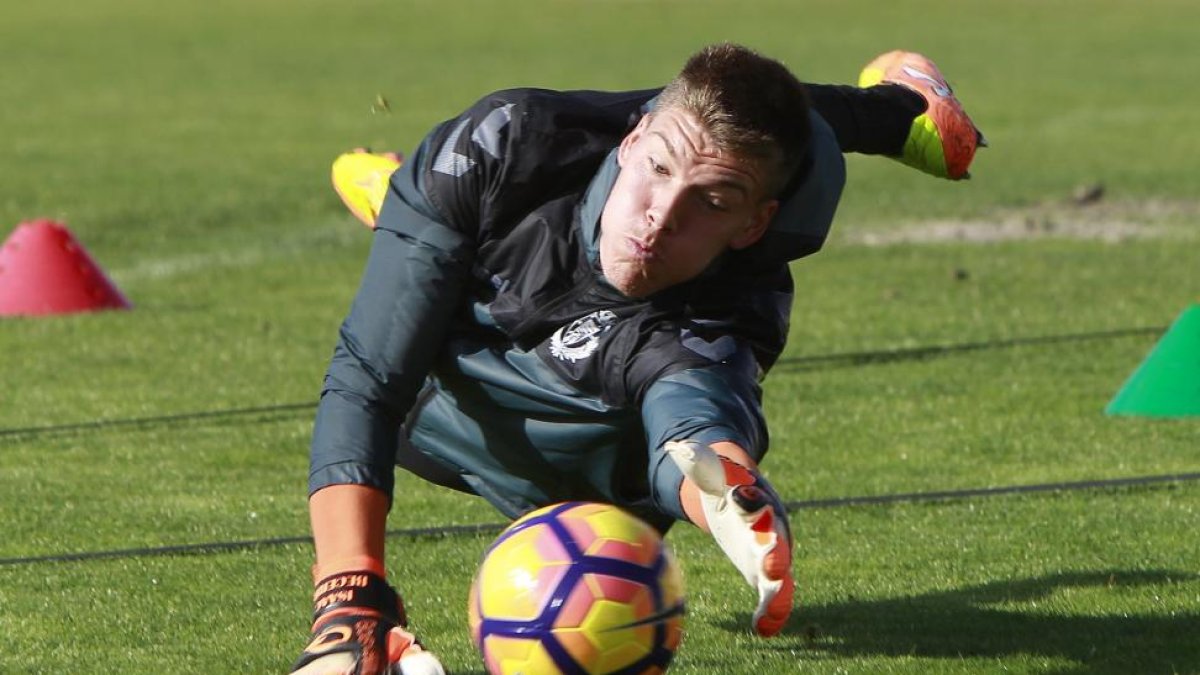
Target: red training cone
[(44, 270)]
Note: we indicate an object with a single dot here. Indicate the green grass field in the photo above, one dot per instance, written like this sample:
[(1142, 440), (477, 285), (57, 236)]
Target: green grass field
[(187, 145)]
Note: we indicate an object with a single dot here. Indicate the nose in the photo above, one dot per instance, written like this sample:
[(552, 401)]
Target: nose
[(663, 211)]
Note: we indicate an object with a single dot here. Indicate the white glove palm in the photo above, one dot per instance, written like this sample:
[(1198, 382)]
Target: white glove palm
[(748, 523)]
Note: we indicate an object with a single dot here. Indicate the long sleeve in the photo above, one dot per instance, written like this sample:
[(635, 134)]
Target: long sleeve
[(873, 120), (717, 403), (414, 280)]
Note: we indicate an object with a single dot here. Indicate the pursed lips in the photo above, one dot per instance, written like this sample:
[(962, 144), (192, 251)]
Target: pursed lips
[(640, 249)]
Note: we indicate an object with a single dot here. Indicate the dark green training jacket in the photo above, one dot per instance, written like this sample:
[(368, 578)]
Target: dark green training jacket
[(485, 346)]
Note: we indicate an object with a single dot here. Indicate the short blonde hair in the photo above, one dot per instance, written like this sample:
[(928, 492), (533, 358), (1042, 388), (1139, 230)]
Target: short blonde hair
[(752, 106)]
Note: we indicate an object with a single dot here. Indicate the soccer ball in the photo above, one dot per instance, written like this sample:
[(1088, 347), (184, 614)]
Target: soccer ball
[(577, 587)]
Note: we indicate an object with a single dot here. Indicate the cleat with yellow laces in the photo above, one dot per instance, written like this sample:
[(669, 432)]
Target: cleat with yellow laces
[(360, 177), (943, 139)]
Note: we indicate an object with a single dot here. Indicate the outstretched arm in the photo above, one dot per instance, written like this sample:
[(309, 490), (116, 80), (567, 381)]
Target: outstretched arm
[(706, 436), (414, 279), (903, 108), (909, 114), (724, 494)]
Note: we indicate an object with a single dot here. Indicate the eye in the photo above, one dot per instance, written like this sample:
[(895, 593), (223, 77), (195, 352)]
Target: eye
[(658, 168), (714, 202)]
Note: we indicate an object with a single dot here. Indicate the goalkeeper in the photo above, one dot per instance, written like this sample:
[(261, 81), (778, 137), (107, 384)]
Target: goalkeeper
[(575, 296)]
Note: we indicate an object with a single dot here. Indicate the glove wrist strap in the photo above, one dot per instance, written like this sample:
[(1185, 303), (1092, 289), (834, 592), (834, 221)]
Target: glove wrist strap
[(359, 590)]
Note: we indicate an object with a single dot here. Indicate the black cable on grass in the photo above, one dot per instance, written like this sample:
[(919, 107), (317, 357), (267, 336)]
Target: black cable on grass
[(1105, 484), (265, 414), (852, 359), (493, 528), (816, 362), (230, 546)]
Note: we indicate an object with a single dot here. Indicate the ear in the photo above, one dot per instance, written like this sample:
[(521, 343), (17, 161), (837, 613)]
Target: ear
[(757, 226), (631, 138)]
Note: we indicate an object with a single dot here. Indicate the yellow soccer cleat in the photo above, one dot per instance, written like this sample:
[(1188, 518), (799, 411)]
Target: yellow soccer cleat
[(360, 177), (943, 139)]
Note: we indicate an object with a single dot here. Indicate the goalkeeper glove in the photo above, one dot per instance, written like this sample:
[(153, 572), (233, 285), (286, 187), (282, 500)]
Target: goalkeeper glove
[(358, 629), (942, 140), (749, 523)]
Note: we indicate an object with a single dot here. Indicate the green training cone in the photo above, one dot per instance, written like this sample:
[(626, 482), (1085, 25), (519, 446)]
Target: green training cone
[(1167, 384)]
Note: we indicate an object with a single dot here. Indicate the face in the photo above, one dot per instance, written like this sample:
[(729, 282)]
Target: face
[(677, 204)]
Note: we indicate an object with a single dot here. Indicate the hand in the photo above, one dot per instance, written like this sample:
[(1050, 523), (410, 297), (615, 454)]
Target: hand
[(749, 523), (358, 629), (943, 139)]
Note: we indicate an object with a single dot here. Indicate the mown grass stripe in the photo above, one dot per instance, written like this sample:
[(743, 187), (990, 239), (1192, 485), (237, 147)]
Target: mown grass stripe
[(487, 528), (813, 362)]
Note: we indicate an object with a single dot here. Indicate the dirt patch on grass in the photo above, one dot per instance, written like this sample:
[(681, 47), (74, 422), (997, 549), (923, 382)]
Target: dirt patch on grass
[(1085, 217)]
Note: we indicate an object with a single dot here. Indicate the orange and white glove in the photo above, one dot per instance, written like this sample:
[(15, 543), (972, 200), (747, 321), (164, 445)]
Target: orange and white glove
[(749, 523), (358, 629)]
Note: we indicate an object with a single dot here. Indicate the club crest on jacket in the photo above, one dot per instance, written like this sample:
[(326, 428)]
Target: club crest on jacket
[(580, 338)]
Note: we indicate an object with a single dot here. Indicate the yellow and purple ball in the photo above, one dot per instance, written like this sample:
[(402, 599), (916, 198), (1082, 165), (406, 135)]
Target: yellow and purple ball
[(577, 587)]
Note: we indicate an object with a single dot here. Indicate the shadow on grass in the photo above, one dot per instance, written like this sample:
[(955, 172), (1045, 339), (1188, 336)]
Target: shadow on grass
[(1003, 619)]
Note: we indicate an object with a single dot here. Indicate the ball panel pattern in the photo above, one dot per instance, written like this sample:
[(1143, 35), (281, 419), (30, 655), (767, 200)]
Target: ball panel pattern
[(577, 588)]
